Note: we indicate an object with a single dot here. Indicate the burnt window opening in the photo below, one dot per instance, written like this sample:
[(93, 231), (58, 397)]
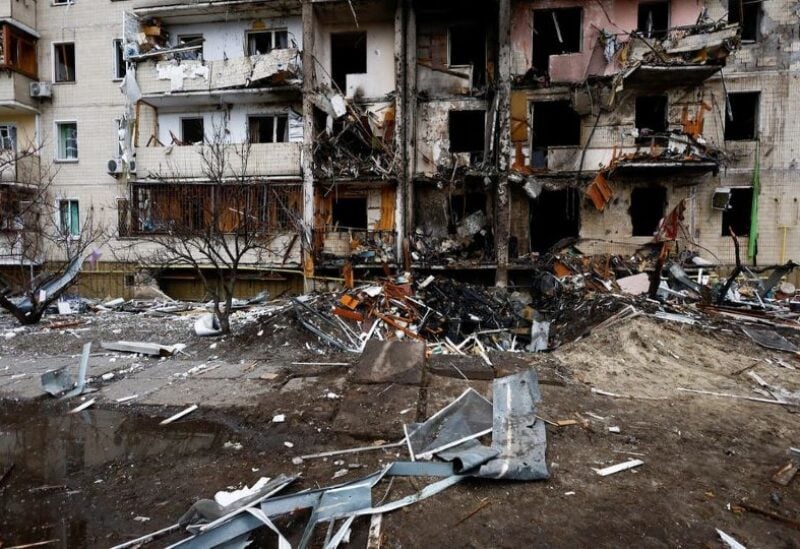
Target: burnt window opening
[(747, 13), (120, 66), (467, 131), (350, 213), (648, 205), (741, 117), (555, 32), (268, 129), (467, 46), (348, 56), (650, 117), (555, 124), (191, 40), (263, 42), (554, 216), (462, 205), (737, 215), (653, 19), (192, 130)]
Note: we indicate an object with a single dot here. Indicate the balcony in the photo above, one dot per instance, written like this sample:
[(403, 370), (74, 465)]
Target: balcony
[(22, 171), (678, 157), (15, 94), (361, 246), (278, 71), (264, 160), (21, 12)]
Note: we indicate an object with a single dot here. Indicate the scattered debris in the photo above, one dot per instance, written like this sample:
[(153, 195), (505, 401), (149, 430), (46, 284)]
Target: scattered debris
[(730, 541), (83, 406), (56, 382), (141, 348), (619, 467), (180, 414)]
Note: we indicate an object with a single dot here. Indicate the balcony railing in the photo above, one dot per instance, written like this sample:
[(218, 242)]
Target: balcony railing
[(20, 169), (15, 88), (277, 68), (360, 245), (199, 161)]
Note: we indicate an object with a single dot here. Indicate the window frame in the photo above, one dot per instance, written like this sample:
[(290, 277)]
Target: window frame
[(118, 51), (759, 18), (69, 230), (756, 116), (57, 158), (735, 189), (194, 117), (62, 2), (541, 11), (120, 144), (13, 135), (274, 116), (53, 46), (193, 55), (657, 31), (272, 32)]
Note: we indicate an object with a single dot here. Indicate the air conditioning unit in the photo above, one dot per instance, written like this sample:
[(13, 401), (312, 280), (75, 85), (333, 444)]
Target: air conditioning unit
[(41, 89), (116, 166)]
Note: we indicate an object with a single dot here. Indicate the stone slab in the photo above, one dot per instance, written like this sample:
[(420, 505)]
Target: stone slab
[(472, 367), (391, 362)]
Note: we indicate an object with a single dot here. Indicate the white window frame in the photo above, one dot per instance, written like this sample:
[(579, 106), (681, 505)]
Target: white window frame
[(12, 135), (263, 31), (274, 116), (118, 43), (57, 133), (120, 144), (61, 225), (75, 55), (62, 2)]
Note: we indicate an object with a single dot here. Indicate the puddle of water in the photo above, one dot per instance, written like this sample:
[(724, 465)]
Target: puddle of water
[(57, 458)]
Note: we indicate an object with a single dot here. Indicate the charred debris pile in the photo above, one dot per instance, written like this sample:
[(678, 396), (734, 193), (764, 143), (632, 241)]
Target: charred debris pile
[(569, 294)]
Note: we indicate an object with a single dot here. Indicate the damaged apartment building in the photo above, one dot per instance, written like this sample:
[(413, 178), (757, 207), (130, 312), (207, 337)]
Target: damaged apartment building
[(424, 135), (628, 114)]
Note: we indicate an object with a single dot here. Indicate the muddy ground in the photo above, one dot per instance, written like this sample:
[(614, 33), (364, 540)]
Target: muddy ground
[(112, 473)]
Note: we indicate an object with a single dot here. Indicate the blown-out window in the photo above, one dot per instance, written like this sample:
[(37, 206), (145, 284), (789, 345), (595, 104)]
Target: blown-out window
[(261, 42)]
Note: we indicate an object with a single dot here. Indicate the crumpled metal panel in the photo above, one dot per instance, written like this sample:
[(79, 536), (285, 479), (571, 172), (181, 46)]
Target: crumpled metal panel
[(520, 438), (467, 417), (468, 455)]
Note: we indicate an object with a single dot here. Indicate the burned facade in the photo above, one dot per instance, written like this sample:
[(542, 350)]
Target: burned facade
[(419, 135)]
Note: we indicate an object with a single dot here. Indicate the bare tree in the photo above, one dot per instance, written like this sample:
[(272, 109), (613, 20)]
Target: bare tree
[(214, 224), (43, 241)]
